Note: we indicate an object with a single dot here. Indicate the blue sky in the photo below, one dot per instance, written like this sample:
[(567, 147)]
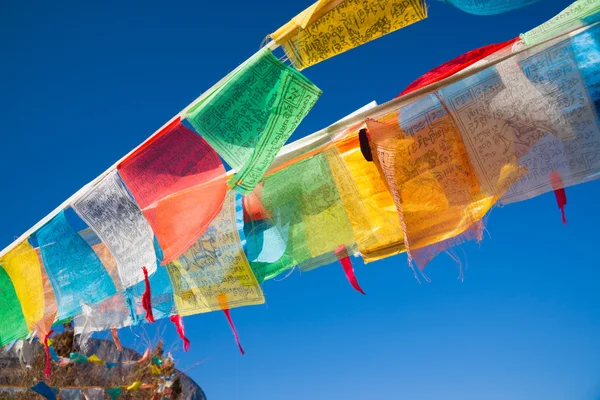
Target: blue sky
[(82, 83)]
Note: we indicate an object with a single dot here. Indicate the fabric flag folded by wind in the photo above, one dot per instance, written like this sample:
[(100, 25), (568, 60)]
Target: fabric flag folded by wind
[(489, 7), (249, 118), (331, 27), (263, 239), (13, 324), (179, 182), (359, 182), (578, 14), (215, 266), (23, 267), (535, 112), (163, 303), (420, 153), (303, 199), (119, 223), (75, 271), (456, 65)]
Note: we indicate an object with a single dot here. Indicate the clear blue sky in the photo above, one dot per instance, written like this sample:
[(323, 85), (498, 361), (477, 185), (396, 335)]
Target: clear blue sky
[(82, 83)]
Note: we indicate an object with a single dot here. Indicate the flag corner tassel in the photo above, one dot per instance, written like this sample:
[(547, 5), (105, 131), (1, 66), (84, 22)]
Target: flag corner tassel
[(147, 298), (342, 255), (47, 350), (178, 321), (235, 334), (559, 193)]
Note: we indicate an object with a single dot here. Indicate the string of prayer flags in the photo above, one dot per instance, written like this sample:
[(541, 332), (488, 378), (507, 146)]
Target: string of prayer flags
[(215, 265), (420, 153), (43, 389), (179, 182), (118, 221), (456, 65), (75, 271), (303, 199), (579, 13), (489, 7), (248, 119), (23, 267), (331, 27), (13, 324), (535, 113)]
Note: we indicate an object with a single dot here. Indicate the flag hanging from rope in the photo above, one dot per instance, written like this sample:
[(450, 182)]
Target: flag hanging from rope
[(331, 27), (249, 118)]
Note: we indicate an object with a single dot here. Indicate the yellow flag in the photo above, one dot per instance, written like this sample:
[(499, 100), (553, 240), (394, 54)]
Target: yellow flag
[(94, 359), (379, 232), (134, 386), (23, 267), (215, 264), (331, 27)]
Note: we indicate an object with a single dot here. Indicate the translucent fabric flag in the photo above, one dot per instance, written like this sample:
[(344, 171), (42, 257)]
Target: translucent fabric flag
[(118, 221), (303, 199), (456, 65), (23, 267), (535, 112), (421, 154), (489, 7), (75, 271), (249, 118), (13, 324), (110, 313), (578, 14), (331, 27), (94, 394), (71, 394), (44, 324), (179, 182), (215, 266), (359, 181), (263, 240)]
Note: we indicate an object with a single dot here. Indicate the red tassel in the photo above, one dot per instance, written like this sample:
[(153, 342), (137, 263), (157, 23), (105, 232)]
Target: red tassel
[(237, 338), (146, 298), (115, 336), (48, 358), (559, 193), (342, 254), (178, 321)]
